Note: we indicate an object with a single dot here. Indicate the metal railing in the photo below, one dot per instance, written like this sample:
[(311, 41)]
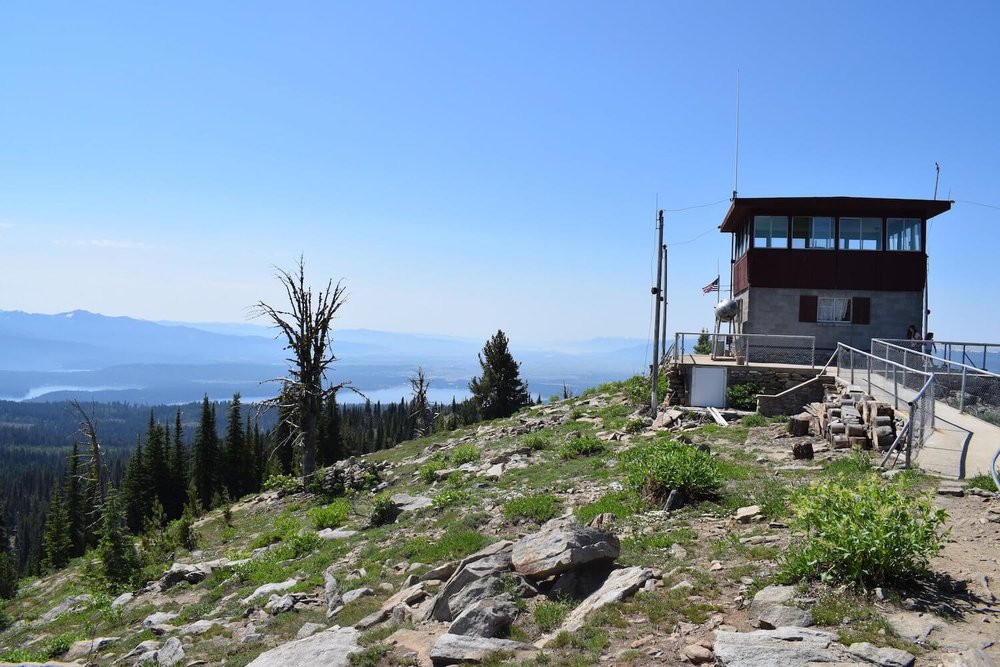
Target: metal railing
[(894, 383), (983, 356), (750, 348), (968, 388)]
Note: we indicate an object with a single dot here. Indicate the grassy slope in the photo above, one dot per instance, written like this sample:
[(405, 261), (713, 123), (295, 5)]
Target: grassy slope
[(476, 515)]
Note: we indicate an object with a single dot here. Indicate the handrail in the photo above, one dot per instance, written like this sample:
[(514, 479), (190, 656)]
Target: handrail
[(828, 362), (883, 359), (895, 443), (937, 342), (980, 371)]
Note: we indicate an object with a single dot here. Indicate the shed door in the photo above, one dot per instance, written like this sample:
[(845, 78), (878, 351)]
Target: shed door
[(708, 387)]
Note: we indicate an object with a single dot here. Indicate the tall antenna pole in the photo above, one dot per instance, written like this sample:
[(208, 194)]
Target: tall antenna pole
[(736, 175), (655, 375), (937, 176), (663, 329)]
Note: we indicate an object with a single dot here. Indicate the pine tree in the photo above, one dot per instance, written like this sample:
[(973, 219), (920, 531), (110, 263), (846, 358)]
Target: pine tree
[(74, 504), (137, 492), (179, 474), (8, 571), (116, 549), (499, 392), (205, 455), (239, 466), (156, 463), (331, 443), (58, 542)]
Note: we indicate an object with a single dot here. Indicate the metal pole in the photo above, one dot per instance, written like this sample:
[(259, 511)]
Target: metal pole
[(895, 389), (961, 396), (813, 352), (909, 440), (852, 366), (665, 301), (655, 375), (869, 374)]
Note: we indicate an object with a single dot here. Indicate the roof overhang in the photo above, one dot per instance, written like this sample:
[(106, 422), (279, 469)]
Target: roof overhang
[(743, 208)]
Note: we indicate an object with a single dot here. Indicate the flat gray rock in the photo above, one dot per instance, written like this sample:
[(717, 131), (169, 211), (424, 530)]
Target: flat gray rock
[(335, 533), (71, 603), (769, 648), (486, 564), (171, 653), (159, 618), (619, 585), (561, 546), (268, 589), (489, 617), (330, 648), (782, 616), (356, 594), (408, 503), (451, 648), (308, 630), (86, 647), (884, 657), (121, 600)]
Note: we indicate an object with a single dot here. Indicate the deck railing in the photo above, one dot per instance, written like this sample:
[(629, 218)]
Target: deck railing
[(983, 356), (750, 348)]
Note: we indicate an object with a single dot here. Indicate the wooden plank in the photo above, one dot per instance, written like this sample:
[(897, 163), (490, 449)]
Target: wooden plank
[(719, 419)]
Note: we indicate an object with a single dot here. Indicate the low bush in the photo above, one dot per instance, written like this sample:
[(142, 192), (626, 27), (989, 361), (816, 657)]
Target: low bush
[(622, 504), (304, 544), (635, 425), (383, 510), (586, 445), (428, 471), (743, 396), (464, 454), (538, 508), (330, 516), (984, 482), (867, 533), (536, 441), (450, 497), (455, 543), (652, 470), (283, 484), (755, 419)]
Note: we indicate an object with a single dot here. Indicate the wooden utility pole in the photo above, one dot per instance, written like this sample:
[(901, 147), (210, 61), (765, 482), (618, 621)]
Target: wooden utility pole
[(657, 291), (663, 297)]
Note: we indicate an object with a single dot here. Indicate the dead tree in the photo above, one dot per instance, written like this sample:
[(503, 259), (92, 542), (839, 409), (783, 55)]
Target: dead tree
[(420, 409), (93, 473), (305, 326)]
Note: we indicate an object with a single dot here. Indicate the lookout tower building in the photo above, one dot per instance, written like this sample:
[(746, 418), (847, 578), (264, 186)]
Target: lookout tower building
[(842, 269)]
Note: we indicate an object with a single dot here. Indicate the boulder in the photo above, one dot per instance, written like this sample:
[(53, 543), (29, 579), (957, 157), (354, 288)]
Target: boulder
[(408, 503), (451, 648), (331, 593), (86, 647), (331, 648), (158, 618), (407, 596), (356, 594), (561, 546), (780, 616), (72, 603), (192, 573), (489, 617), (884, 657), (121, 600), (784, 646), (268, 589), (697, 654), (619, 585), (171, 653), (490, 562), (335, 533), (198, 627), (747, 514)]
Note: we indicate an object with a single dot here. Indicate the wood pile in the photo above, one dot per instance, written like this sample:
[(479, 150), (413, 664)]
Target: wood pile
[(849, 418)]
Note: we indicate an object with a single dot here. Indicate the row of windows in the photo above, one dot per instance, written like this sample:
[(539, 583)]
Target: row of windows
[(818, 233)]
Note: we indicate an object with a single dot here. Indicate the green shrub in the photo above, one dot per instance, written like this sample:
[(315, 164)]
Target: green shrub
[(304, 544), (637, 389), (58, 645), (450, 497), (455, 543), (330, 516), (857, 466), (869, 533), (652, 470), (635, 425), (263, 569), (743, 396), (538, 508), (755, 419), (984, 482), (586, 445), (284, 484), (464, 454), (383, 510), (550, 615), (536, 441), (427, 472), (622, 504)]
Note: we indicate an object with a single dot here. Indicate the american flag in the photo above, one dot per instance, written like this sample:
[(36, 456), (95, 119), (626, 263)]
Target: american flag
[(711, 287)]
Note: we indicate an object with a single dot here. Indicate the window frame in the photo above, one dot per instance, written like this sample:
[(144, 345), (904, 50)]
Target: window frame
[(861, 237), (810, 240), (846, 319), (917, 226), (771, 220)]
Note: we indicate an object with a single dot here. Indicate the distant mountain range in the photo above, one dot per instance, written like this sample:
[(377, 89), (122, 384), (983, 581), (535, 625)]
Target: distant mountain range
[(95, 357)]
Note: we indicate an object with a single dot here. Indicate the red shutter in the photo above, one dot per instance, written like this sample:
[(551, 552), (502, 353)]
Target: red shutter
[(807, 308), (861, 310)]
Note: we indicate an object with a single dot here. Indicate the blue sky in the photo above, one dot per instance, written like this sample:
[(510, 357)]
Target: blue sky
[(466, 166)]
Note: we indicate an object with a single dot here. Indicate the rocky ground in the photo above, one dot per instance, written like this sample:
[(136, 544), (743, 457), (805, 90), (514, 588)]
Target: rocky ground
[(515, 543)]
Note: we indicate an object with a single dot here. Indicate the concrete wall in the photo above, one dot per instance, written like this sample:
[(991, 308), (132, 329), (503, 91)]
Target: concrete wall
[(775, 310), (791, 401)]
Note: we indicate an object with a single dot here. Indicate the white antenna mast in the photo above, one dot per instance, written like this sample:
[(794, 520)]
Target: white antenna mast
[(736, 176)]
